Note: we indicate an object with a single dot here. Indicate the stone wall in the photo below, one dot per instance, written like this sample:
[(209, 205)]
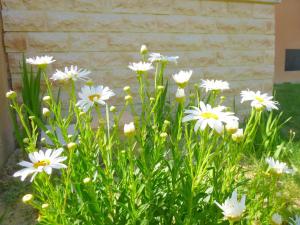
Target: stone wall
[(6, 135), (230, 40)]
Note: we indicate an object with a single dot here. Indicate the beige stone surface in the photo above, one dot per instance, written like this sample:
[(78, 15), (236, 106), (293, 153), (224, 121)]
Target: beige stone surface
[(230, 40)]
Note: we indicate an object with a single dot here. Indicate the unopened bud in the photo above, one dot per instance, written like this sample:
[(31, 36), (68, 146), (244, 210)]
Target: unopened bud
[(26, 140), (128, 98), (112, 108), (152, 99), (46, 112), (81, 113), (163, 135), (31, 117), (27, 198), (46, 99), (143, 50), (167, 122), (160, 87), (11, 95), (126, 89), (89, 83), (71, 146), (86, 180), (44, 206)]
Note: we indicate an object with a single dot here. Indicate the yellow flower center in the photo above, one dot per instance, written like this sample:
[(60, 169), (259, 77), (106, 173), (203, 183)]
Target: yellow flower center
[(44, 162), (94, 97), (260, 99), (209, 115)]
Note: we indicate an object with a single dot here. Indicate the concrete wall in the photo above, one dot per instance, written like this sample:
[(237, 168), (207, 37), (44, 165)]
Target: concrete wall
[(287, 37), (6, 137), (228, 40)]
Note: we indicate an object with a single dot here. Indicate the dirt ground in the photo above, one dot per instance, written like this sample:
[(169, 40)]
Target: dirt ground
[(12, 210)]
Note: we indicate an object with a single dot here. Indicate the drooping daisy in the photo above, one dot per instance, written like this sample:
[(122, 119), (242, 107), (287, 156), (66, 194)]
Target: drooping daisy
[(73, 73), (232, 208), (276, 219), (140, 67), (232, 126), (214, 85), (157, 57), (93, 95), (40, 60), (180, 95), (238, 135), (182, 78), (206, 115), (41, 161), (295, 221), (129, 129), (259, 100), (278, 167)]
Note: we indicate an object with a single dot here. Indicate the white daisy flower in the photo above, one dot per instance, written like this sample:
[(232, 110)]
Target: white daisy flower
[(214, 85), (206, 115), (295, 221), (182, 78), (259, 100), (73, 73), (93, 95), (41, 161), (157, 57), (232, 208), (140, 67), (278, 167), (276, 219), (40, 60)]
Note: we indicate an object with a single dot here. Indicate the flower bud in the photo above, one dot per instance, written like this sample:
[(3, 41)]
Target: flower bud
[(31, 117), (160, 87), (70, 136), (43, 140), (128, 98), (89, 82), (71, 145), (143, 50), (27, 198), (180, 95), (126, 89), (232, 126), (48, 132), (26, 140), (152, 99), (167, 122), (46, 99), (11, 95), (163, 135), (129, 129), (238, 135), (81, 113), (45, 205), (86, 180), (112, 108), (46, 112)]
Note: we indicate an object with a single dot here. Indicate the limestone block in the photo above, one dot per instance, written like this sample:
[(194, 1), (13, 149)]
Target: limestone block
[(21, 20), (15, 42), (48, 41)]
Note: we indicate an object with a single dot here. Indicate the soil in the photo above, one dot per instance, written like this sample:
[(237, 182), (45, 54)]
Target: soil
[(12, 210)]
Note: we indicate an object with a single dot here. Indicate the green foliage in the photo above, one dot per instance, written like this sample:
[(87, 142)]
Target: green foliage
[(166, 173)]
